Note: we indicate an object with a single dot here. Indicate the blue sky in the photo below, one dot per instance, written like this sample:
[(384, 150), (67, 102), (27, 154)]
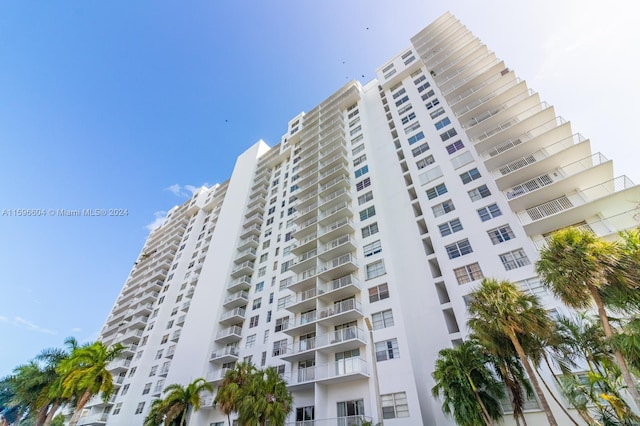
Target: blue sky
[(125, 104)]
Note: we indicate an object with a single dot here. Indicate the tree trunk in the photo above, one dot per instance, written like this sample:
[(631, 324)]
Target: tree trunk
[(628, 380), (485, 413), (41, 416), (533, 379), (81, 403), (52, 413), (515, 411), (556, 399)]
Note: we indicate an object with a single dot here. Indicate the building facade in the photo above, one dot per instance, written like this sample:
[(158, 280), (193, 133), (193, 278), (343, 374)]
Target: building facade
[(383, 206)]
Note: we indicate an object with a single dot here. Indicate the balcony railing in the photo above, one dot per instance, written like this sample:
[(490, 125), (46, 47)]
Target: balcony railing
[(337, 421)]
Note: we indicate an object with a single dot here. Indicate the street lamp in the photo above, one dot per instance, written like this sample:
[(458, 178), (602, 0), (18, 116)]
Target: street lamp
[(374, 362)]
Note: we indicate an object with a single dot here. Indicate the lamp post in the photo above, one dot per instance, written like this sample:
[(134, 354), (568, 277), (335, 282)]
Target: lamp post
[(374, 363)]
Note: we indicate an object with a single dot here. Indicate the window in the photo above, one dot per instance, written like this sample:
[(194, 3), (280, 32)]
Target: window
[(355, 130), (262, 271), (351, 409), (402, 100), (411, 128), (436, 191), (419, 79), (251, 341), (253, 322), (387, 350), (147, 388), (282, 324), (360, 160), (404, 109), (501, 234), (169, 324), (370, 230), (443, 208), (304, 415), (415, 138), (433, 103), (421, 164), (459, 248), (437, 113), (450, 227), (399, 93), (407, 118), (283, 301), (424, 87), (470, 175), (379, 292), (257, 303), (394, 405), (514, 259), (357, 149), (456, 146), (362, 171), (259, 286), (153, 371), (125, 388), (140, 407), (448, 134), (489, 212), (442, 123), (420, 149), (279, 347), (363, 184), (164, 339), (382, 319), (375, 269), (367, 196), (117, 408), (367, 213), (159, 353), (285, 283), (372, 248), (427, 95), (468, 273), (479, 193), (266, 336)]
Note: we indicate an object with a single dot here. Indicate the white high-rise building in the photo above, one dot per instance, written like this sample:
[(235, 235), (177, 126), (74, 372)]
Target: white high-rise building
[(386, 203)]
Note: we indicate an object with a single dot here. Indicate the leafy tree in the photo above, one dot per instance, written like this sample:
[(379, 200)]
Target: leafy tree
[(265, 399), (580, 268), (180, 400), (84, 374), (471, 393), (500, 308)]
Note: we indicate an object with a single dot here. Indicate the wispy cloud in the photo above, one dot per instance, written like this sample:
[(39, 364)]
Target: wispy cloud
[(26, 324), (184, 191), (158, 220), (76, 330)]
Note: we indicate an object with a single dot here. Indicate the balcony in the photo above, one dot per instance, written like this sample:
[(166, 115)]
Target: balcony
[(236, 300), (339, 288), (340, 313), (334, 184), (233, 317), (148, 297), (138, 321), (164, 371), (582, 173), (143, 309), (336, 341), (604, 199), (130, 350), (244, 255), (304, 301), (176, 336), (336, 372), (514, 124), (338, 247), (185, 306), (253, 230), (305, 261), (336, 168), (341, 195), (253, 220), (250, 241), (337, 421), (131, 336), (217, 375), (305, 229), (94, 419), (337, 267), (303, 323), (334, 213), (229, 335), (228, 354), (242, 283), (334, 230), (170, 351), (245, 268), (119, 365), (305, 244), (180, 320)]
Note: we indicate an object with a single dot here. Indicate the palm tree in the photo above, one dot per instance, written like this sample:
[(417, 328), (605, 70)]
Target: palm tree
[(156, 414), (498, 307), (27, 385), (181, 399), (471, 392), (229, 391), (265, 399), (578, 266), (85, 374)]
